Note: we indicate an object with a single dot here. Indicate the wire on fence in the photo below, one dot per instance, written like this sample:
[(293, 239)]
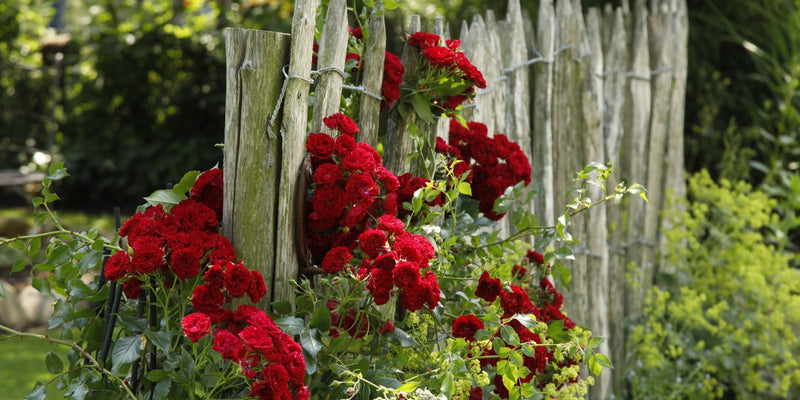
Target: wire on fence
[(314, 75)]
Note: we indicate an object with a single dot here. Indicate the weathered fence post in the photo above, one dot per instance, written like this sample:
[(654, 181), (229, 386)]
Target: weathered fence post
[(374, 52), (252, 158)]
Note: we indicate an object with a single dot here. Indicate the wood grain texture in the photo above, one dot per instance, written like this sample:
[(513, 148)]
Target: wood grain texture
[(252, 159), (332, 52), (374, 54)]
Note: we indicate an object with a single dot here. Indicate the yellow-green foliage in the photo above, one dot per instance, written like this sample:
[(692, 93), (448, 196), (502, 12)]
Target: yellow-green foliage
[(726, 323)]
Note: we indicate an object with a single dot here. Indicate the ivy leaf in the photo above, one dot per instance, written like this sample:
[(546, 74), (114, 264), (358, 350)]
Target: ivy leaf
[(38, 392), (53, 363), (126, 350)]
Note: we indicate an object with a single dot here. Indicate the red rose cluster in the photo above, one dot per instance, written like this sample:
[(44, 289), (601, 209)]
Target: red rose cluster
[(440, 60), (174, 245), (493, 163), (393, 71), (544, 302), (267, 355), (353, 210)]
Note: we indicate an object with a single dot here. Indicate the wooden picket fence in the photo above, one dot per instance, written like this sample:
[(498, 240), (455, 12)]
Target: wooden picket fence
[(575, 87)]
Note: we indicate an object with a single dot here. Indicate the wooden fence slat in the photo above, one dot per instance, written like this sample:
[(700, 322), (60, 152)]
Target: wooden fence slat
[(661, 56), (596, 223), (495, 57), (252, 159), (542, 140), (293, 133), (637, 121), (374, 54), (398, 138), (616, 62), (332, 52), (675, 183)]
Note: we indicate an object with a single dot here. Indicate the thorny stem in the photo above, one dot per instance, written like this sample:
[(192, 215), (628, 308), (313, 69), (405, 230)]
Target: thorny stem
[(74, 346), (61, 231)]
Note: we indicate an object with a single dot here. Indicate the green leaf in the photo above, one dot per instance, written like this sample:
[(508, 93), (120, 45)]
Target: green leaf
[(160, 339), (309, 342), (640, 190), (389, 4), (291, 325), (561, 275), (126, 350), (19, 265), (594, 365), (57, 171), (509, 335), (38, 392), (603, 360), (53, 363), (422, 107), (556, 331), (403, 338), (321, 319), (77, 390), (162, 390), (186, 183), (157, 375), (282, 307), (408, 387), (564, 253), (165, 197)]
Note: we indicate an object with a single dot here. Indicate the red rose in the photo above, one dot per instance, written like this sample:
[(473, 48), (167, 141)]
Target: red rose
[(375, 155), (341, 123), (476, 393), (452, 102), (520, 165), (518, 271), (117, 266), (356, 33), (359, 160), (208, 189), (390, 92), (215, 276), (327, 173), (535, 257), (452, 44), (380, 285), (465, 326), (295, 364), (423, 40), (195, 326), (320, 145), (387, 178), (354, 216), (373, 242), (434, 292), (192, 215), (488, 288), (388, 327), (336, 259), (386, 261), (516, 301), (389, 205), (257, 288), (393, 69), (237, 279), (344, 145), (223, 251), (406, 275), (207, 299), (328, 201), (361, 188), (390, 224), (318, 223), (470, 71), (228, 345), (258, 340), (439, 56), (184, 264), (132, 288), (148, 254), (413, 299)]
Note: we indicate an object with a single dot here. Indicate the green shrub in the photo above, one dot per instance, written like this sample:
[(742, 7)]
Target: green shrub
[(724, 323)]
